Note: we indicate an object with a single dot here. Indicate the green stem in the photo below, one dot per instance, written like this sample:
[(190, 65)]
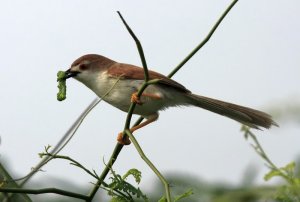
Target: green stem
[(106, 170), (262, 152), (259, 149), (139, 47), (132, 106), (74, 162), (205, 40), (150, 164)]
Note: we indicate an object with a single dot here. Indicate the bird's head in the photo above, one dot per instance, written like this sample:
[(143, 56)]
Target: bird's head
[(87, 67)]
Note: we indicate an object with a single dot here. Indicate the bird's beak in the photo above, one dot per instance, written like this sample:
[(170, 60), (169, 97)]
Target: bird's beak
[(69, 73)]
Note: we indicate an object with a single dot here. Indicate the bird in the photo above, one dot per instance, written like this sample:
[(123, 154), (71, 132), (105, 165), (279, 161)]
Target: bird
[(118, 84)]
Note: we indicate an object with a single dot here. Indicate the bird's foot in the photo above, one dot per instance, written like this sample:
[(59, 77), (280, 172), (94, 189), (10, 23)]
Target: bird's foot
[(135, 99), (123, 140)]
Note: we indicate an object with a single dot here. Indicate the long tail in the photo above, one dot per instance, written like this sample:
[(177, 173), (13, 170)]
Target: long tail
[(250, 117)]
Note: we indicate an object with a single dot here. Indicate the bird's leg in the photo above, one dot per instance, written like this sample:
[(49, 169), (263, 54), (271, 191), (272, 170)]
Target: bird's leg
[(124, 140), (136, 99)]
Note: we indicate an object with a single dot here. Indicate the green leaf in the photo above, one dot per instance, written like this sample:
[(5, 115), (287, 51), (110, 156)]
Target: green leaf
[(290, 168), (271, 174), (119, 184), (135, 173), (286, 171), (184, 195)]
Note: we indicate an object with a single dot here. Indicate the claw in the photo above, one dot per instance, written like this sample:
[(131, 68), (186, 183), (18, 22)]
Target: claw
[(135, 99), (123, 140)]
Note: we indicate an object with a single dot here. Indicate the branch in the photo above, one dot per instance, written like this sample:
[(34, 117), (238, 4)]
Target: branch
[(150, 164), (205, 40), (106, 170), (73, 162), (43, 191), (139, 47)]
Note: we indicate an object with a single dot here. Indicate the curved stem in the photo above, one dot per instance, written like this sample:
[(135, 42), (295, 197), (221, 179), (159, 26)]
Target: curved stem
[(150, 164)]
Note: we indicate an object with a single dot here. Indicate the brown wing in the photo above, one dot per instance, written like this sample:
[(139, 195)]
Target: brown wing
[(133, 72)]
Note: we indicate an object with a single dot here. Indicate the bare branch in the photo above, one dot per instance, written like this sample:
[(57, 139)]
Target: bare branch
[(44, 191)]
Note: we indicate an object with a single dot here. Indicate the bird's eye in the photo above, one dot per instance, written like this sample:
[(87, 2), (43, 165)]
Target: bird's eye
[(83, 67)]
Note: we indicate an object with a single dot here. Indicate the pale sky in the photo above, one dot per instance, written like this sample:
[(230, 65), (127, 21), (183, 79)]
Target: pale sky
[(252, 59)]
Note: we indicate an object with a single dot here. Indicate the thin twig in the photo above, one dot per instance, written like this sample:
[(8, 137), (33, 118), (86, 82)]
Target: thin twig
[(106, 170), (261, 152), (150, 164), (73, 162), (139, 47), (205, 40), (44, 191), (259, 149)]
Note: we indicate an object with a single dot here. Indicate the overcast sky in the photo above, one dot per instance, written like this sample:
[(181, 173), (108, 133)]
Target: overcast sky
[(252, 59)]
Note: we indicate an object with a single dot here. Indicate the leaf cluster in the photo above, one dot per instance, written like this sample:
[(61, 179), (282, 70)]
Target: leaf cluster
[(121, 190)]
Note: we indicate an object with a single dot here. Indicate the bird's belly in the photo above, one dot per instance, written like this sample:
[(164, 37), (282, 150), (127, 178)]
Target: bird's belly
[(118, 93)]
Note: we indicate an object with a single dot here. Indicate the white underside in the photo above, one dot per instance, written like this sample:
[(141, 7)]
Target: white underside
[(120, 95)]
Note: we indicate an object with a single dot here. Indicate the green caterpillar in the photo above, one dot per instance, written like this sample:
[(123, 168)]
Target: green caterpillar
[(62, 88)]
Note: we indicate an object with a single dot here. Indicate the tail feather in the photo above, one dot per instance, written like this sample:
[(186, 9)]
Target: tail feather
[(250, 117)]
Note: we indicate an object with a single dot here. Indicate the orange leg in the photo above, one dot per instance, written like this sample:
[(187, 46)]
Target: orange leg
[(136, 99), (124, 140)]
